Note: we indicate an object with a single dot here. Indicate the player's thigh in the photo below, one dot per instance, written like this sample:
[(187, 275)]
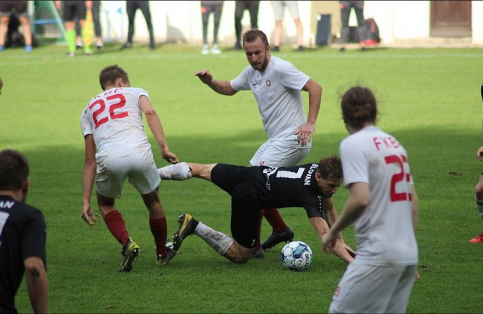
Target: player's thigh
[(400, 299), (366, 289), (143, 173), (245, 210), (110, 177), (280, 153), (228, 177)]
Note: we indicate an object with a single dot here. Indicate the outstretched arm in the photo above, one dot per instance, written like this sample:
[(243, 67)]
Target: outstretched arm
[(157, 129), (304, 134), (321, 227), (221, 87), (37, 284), (359, 199)]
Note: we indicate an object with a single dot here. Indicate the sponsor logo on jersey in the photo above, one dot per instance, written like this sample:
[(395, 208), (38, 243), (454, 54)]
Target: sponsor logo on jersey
[(6, 204), (308, 176), (268, 83)]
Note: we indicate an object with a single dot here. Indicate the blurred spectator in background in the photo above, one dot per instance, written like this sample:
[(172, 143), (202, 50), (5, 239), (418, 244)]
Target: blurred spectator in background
[(345, 11), (96, 8), (208, 7), (279, 9), (131, 8), (72, 10), (7, 8), (240, 7)]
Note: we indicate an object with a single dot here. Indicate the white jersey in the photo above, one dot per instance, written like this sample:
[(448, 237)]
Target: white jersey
[(277, 92), (384, 232), (115, 119)]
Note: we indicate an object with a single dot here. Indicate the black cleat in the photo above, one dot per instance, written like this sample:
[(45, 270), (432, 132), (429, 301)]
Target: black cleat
[(276, 238)]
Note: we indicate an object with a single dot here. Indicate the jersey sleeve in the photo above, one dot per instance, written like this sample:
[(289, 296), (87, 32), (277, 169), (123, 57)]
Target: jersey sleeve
[(290, 76), (34, 237), (86, 125), (354, 163), (142, 92), (313, 206), (241, 81)]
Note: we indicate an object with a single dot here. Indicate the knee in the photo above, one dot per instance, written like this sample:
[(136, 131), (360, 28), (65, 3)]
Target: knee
[(479, 191)]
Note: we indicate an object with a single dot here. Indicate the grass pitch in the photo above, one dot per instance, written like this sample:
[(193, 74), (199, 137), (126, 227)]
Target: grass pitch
[(428, 98)]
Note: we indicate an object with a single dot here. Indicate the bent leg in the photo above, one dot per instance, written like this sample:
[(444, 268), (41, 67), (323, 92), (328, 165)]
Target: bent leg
[(157, 221), (27, 33), (3, 29), (113, 218)]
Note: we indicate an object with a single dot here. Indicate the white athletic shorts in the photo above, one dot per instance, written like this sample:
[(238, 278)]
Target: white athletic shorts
[(374, 289), (279, 8), (280, 152), (139, 168)]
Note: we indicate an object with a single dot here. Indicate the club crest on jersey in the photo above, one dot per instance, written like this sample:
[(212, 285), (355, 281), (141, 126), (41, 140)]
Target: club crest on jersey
[(268, 83)]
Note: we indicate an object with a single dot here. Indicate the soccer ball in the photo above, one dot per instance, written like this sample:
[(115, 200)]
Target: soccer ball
[(296, 255)]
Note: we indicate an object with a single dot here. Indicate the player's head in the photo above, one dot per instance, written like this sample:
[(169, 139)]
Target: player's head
[(14, 172), (113, 76), (257, 49), (329, 175), (359, 108)]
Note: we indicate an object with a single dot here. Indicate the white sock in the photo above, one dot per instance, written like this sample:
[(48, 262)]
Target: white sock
[(479, 206), (177, 172), (220, 242)]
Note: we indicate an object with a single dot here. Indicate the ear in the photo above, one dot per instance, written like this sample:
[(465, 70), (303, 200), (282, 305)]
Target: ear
[(25, 188)]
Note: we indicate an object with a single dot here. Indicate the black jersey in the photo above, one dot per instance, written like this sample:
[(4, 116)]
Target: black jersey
[(22, 235), (290, 187)]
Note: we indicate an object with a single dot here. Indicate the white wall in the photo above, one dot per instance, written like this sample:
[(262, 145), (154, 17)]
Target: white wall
[(477, 21)]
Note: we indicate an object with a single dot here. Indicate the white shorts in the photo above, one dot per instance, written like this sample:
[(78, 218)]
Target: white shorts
[(139, 168), (374, 289), (280, 152), (279, 8)]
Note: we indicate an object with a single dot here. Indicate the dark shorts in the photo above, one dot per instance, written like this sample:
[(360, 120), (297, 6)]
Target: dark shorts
[(9, 7), (73, 10), (245, 204)]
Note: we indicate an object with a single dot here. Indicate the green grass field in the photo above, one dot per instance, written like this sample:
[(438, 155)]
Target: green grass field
[(428, 98)]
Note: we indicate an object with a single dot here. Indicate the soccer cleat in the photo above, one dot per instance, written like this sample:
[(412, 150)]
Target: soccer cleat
[(276, 238), (71, 54), (187, 226), (477, 239), (129, 252), (28, 48), (178, 172), (300, 49), (258, 253), (164, 260)]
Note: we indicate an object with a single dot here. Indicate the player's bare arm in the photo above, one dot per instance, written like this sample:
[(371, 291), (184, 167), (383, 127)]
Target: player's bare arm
[(304, 134), (221, 87), (321, 227), (156, 128), (88, 180), (358, 201), (37, 284)]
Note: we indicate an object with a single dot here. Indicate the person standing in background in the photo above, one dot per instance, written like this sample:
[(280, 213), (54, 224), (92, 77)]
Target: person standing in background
[(240, 7), (131, 8), (6, 10), (345, 11), (279, 9), (208, 7), (70, 11)]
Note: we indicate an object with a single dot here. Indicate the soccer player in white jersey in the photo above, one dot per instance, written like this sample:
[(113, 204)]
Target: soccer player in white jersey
[(383, 205), (116, 143), (276, 85)]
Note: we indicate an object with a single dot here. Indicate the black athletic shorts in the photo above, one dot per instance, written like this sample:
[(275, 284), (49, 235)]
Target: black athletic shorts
[(245, 204), (8, 7), (73, 10)]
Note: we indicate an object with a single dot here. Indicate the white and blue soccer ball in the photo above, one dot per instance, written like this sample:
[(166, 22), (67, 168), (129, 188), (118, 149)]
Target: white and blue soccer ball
[(296, 255)]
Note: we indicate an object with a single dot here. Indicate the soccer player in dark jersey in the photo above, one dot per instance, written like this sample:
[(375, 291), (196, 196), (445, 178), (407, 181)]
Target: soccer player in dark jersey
[(310, 186), (22, 237)]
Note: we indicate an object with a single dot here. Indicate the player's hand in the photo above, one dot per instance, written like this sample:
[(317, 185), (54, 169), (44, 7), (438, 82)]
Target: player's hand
[(88, 215), (204, 76), (479, 152), (350, 251), (170, 157), (417, 276), (304, 134), (1, 85), (328, 241)]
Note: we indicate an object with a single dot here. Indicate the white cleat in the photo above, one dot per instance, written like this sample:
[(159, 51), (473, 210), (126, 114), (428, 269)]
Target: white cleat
[(178, 172)]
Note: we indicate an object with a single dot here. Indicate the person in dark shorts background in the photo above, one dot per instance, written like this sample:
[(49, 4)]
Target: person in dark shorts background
[(7, 8), (22, 237)]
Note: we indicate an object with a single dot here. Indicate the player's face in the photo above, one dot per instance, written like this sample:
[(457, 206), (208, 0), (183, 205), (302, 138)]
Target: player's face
[(258, 54), (327, 187)]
